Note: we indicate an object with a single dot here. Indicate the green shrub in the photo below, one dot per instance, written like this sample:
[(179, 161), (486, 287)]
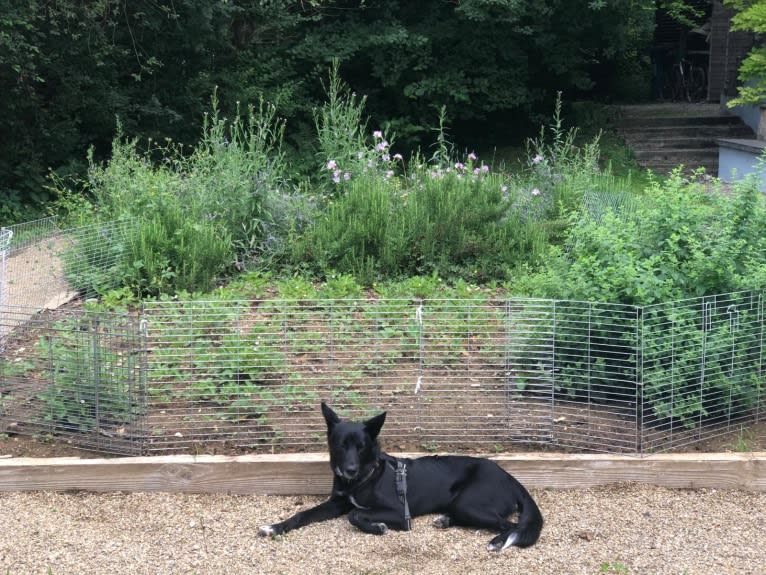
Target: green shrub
[(168, 252), (458, 221), (678, 241), (92, 384), (193, 216), (675, 241)]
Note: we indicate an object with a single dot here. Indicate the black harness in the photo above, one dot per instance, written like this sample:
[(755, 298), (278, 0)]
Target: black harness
[(401, 489), (400, 471)]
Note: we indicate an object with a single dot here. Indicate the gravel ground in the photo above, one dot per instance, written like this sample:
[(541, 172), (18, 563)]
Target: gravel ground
[(620, 529)]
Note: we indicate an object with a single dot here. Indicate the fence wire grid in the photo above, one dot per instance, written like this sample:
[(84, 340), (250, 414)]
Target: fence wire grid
[(453, 375)]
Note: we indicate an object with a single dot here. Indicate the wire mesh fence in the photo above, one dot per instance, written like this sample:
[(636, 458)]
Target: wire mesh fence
[(454, 375), (44, 267), (75, 375)]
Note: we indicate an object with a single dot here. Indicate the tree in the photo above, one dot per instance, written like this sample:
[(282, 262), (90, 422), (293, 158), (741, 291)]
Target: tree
[(69, 69), (751, 16)]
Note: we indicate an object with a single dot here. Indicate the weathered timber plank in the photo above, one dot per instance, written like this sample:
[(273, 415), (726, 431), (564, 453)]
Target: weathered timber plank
[(309, 474)]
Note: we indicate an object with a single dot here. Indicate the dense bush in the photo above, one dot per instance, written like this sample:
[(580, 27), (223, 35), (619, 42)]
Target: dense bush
[(449, 221), (681, 240), (193, 215)]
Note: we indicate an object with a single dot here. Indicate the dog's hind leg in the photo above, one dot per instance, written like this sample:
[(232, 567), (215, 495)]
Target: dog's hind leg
[(503, 540)]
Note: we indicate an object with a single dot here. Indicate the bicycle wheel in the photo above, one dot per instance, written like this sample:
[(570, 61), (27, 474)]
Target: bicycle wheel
[(697, 84), (679, 92)]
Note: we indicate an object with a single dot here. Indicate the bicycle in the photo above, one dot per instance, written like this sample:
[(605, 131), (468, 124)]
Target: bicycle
[(689, 82)]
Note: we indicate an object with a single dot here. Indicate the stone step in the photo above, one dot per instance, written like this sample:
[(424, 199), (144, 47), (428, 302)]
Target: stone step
[(683, 142), (671, 109), (663, 161), (666, 135), (664, 168), (670, 121), (711, 131)]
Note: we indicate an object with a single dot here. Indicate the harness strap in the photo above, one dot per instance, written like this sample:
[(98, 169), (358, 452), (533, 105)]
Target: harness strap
[(401, 491)]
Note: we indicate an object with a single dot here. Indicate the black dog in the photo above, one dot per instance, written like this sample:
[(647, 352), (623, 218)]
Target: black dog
[(380, 492)]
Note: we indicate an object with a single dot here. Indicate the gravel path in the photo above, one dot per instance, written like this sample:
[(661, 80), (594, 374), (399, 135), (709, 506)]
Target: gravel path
[(626, 529)]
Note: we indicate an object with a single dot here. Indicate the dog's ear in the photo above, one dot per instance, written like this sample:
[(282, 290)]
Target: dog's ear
[(373, 426), (330, 417)]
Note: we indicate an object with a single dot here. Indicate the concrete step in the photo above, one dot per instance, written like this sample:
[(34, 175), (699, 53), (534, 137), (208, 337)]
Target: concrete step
[(669, 121), (666, 135), (663, 161), (710, 131)]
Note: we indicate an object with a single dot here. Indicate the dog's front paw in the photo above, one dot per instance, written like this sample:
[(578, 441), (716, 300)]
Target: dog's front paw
[(381, 528), (267, 531)]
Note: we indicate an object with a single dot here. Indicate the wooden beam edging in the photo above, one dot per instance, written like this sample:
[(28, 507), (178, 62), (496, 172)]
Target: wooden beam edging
[(309, 474)]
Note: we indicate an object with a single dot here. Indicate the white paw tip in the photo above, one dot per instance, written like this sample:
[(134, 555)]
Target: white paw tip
[(382, 527)]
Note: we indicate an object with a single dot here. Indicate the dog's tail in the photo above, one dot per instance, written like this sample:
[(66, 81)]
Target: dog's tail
[(527, 531)]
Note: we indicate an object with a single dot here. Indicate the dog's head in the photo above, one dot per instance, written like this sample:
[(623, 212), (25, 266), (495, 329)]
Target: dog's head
[(353, 445)]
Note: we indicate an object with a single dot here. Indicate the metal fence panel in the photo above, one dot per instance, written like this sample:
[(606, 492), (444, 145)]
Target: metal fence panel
[(702, 368), (454, 375), (76, 375), (573, 374)]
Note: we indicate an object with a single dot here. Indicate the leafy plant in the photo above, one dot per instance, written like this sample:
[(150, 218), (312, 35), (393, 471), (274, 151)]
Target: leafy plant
[(92, 384), (750, 16)]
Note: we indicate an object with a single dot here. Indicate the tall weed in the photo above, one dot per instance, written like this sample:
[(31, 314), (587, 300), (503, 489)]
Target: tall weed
[(227, 202)]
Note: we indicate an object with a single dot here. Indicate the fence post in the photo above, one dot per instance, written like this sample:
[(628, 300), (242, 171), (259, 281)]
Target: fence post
[(421, 365), (639, 319), (93, 325), (6, 236), (760, 357)]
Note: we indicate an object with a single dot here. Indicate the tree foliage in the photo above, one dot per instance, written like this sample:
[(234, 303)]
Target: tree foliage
[(68, 69), (751, 16)]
